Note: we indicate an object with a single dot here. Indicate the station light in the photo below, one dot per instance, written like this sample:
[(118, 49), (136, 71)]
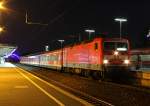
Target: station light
[(120, 20), (148, 35), (2, 5), (1, 29), (61, 41), (90, 31)]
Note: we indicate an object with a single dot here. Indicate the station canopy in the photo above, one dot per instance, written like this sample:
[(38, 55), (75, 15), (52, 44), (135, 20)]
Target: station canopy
[(6, 50)]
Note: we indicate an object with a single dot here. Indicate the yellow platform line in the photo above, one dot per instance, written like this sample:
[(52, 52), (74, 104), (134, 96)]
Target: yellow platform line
[(41, 89), (59, 89)]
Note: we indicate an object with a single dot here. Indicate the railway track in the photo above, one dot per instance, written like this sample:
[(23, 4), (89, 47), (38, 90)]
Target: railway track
[(82, 95)]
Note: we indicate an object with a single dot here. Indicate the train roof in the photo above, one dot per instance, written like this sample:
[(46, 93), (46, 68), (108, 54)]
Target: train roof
[(67, 46), (116, 39), (83, 42)]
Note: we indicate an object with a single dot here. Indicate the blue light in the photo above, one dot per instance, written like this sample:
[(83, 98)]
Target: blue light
[(10, 54), (15, 55)]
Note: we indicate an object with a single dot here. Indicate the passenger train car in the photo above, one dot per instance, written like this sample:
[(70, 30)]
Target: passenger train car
[(93, 57), (140, 58)]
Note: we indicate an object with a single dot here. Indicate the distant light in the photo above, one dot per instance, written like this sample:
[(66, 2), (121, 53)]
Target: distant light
[(47, 48), (2, 5), (61, 40), (121, 19), (122, 49), (1, 29), (90, 30), (148, 34)]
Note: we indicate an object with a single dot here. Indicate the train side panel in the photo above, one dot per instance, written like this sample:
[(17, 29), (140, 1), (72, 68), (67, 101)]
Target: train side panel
[(84, 56), (51, 59), (32, 60), (140, 58)]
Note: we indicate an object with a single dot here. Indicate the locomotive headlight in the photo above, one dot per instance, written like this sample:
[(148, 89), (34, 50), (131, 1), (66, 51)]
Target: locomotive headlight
[(126, 61), (105, 61), (116, 53)]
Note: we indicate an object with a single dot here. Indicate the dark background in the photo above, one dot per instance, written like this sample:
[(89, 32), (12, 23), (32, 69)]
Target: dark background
[(67, 19)]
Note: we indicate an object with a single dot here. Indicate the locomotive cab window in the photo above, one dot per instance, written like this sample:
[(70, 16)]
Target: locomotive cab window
[(95, 46), (119, 46)]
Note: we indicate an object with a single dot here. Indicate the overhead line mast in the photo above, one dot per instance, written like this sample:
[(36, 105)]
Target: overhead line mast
[(32, 23)]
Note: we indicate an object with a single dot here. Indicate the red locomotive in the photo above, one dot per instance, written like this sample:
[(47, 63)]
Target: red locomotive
[(87, 58)]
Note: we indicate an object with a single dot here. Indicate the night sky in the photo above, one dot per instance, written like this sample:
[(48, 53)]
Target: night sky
[(67, 19)]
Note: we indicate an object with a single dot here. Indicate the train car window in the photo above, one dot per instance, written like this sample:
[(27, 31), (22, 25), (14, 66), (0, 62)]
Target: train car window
[(145, 57), (96, 46), (46, 58), (49, 58), (120, 46), (134, 57)]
